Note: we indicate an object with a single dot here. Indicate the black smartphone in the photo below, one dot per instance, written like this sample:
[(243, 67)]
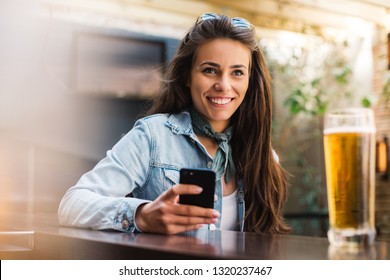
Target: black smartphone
[(205, 178)]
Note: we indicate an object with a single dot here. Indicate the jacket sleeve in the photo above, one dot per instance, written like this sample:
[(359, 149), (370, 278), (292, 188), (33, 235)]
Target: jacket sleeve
[(98, 199)]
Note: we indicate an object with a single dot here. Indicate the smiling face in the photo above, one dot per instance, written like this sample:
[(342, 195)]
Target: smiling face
[(219, 80)]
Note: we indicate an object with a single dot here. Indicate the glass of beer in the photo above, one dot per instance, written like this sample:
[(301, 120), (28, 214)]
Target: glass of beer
[(349, 143)]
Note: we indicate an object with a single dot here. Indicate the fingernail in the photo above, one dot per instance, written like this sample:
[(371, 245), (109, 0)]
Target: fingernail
[(198, 189), (215, 213), (214, 221)]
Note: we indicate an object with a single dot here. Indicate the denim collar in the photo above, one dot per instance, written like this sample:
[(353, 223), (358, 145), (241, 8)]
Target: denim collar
[(180, 123)]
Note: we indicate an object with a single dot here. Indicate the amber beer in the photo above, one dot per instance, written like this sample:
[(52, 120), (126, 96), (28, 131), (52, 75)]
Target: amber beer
[(349, 161)]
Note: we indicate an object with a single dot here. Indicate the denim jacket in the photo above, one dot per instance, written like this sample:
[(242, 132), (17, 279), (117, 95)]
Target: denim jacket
[(145, 163)]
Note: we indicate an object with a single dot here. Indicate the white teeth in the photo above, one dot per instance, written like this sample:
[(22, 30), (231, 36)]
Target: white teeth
[(220, 101)]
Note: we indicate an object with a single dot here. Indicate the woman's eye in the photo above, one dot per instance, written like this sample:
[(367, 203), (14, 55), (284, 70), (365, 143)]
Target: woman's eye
[(238, 73), (209, 70)]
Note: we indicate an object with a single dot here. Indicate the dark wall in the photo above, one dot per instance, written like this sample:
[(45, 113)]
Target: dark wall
[(49, 134)]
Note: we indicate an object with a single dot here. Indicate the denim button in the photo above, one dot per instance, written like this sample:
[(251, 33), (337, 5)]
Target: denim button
[(212, 227), (210, 164), (215, 198), (125, 224)]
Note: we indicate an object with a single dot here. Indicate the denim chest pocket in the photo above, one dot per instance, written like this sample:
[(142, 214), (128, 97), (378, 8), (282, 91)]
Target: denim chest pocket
[(160, 180), (172, 176)]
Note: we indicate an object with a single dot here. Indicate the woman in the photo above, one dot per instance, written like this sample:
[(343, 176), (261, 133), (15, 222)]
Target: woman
[(213, 111)]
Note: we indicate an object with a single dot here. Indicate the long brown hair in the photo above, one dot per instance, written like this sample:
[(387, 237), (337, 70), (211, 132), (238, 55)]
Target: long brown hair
[(265, 182)]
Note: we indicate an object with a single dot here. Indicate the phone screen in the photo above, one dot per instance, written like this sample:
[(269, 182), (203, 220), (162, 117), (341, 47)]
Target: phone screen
[(205, 178)]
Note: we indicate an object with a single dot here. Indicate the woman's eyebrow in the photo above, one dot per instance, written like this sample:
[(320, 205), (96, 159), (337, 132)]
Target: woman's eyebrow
[(238, 66), (217, 65), (210, 63)]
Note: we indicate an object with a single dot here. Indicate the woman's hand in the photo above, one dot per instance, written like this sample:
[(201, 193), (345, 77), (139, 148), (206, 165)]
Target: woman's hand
[(166, 215)]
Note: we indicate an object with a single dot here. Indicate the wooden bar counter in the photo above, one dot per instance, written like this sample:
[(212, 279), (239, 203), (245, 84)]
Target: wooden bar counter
[(40, 236)]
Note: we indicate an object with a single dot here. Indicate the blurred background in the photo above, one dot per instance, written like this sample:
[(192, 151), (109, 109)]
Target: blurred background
[(76, 74)]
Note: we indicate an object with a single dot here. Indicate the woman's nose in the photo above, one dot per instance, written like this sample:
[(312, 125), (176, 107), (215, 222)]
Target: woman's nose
[(223, 84)]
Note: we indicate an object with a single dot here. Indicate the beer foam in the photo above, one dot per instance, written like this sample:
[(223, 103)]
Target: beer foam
[(349, 129)]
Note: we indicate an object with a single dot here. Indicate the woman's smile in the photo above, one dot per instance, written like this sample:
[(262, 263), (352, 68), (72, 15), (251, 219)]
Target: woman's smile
[(220, 100)]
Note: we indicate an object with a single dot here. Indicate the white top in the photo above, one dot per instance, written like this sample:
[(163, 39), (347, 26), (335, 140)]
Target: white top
[(229, 220), (229, 212)]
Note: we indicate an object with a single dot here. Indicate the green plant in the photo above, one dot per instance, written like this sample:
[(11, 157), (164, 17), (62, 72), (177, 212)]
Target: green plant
[(313, 97), (306, 98)]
